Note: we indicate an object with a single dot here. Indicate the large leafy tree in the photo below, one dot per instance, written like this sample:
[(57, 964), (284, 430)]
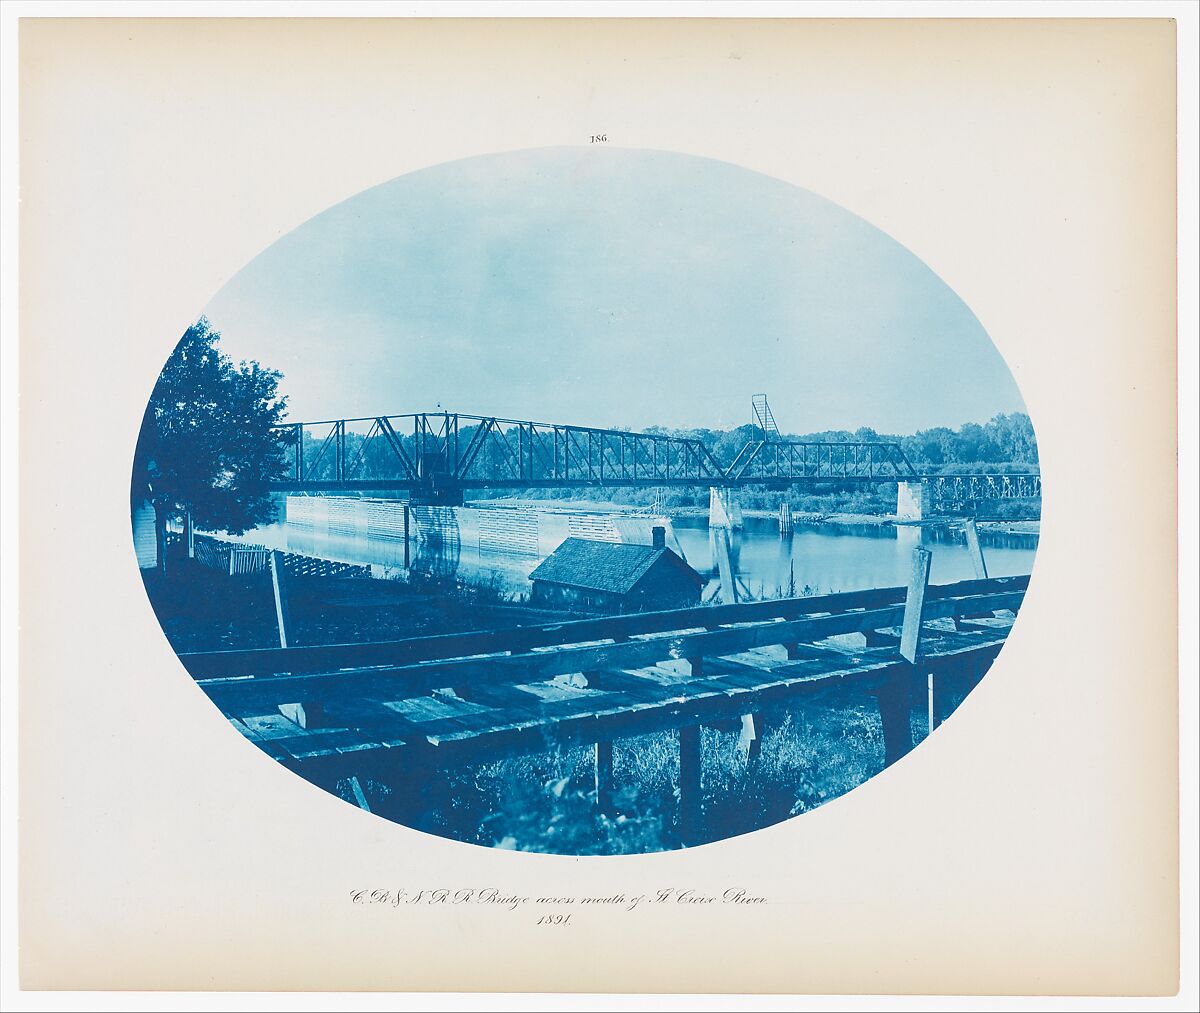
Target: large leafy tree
[(206, 451)]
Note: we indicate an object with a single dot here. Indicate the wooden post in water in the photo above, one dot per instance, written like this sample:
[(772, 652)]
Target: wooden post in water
[(604, 776), (689, 785), (895, 696), (190, 529), (785, 519), (975, 549), (281, 609)]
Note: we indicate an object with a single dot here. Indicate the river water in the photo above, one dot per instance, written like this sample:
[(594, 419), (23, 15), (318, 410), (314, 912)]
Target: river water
[(816, 559)]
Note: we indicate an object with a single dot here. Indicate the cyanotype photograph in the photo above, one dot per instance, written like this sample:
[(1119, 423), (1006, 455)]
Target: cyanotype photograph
[(586, 501)]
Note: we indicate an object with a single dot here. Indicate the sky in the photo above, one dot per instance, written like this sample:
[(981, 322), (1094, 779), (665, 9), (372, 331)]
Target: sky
[(609, 288)]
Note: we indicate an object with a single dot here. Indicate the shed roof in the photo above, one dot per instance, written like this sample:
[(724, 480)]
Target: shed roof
[(604, 566)]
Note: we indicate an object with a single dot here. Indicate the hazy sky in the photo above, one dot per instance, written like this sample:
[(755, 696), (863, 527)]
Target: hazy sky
[(609, 287)]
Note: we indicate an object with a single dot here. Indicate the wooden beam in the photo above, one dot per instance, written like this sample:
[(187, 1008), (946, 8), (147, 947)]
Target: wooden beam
[(244, 695), (690, 806), (975, 549), (895, 696), (914, 605), (214, 664), (895, 714), (603, 768), (277, 585), (609, 719)]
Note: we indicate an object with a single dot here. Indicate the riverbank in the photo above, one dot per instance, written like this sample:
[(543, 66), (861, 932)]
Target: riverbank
[(201, 609)]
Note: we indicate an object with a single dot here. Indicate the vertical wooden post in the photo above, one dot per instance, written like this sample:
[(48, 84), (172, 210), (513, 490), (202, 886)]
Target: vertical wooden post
[(191, 535), (895, 696), (360, 796), (934, 719), (604, 776), (914, 605), (975, 549), (281, 609), (689, 784), (895, 708), (750, 740), (406, 536)]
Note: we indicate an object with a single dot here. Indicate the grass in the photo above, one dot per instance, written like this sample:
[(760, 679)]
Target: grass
[(546, 802)]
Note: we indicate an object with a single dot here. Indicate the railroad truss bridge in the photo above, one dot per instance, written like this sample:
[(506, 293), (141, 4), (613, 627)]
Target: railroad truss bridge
[(437, 456)]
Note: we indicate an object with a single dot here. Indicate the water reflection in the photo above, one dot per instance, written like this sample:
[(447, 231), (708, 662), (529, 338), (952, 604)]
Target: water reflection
[(814, 559)]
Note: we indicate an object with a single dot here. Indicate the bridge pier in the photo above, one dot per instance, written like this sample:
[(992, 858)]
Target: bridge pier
[(724, 517), (913, 501)]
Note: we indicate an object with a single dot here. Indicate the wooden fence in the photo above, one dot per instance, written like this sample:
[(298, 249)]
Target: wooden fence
[(238, 559)]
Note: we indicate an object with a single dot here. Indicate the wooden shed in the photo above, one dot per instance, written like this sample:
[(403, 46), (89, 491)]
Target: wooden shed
[(615, 577)]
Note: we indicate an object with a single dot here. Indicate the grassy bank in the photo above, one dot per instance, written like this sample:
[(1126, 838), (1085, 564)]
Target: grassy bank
[(811, 754)]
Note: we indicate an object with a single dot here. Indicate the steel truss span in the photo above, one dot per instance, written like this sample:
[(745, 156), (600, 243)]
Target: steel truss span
[(443, 452)]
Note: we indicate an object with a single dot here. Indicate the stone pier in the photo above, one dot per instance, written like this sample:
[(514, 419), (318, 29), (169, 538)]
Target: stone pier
[(913, 501)]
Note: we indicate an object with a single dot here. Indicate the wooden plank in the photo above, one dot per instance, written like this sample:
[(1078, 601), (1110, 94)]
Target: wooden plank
[(237, 696), (215, 664)]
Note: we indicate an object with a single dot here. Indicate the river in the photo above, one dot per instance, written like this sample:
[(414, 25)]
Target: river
[(817, 558)]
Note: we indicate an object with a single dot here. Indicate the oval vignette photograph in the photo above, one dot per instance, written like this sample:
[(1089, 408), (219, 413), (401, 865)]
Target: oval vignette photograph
[(585, 501)]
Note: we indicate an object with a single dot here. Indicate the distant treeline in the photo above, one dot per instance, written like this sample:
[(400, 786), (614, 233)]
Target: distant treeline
[(1007, 440), (1006, 443)]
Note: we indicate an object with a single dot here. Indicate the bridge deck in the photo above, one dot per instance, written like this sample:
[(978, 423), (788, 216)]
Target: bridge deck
[(497, 720)]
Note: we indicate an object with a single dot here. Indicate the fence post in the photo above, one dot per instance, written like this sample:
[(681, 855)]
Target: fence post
[(277, 582), (406, 536)]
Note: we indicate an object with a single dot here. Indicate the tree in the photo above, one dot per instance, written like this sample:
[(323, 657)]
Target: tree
[(206, 450)]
